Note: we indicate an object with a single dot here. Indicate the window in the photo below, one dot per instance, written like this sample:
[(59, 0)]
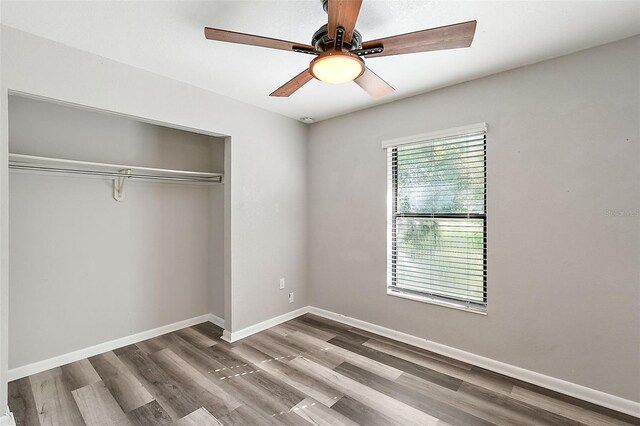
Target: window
[(437, 228)]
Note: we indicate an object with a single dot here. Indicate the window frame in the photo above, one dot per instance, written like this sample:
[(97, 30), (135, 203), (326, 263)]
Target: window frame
[(392, 182)]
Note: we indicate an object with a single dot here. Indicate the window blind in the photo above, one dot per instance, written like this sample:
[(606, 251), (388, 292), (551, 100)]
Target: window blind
[(437, 217)]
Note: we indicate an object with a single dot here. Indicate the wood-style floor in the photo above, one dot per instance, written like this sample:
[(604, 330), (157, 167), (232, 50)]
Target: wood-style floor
[(307, 371)]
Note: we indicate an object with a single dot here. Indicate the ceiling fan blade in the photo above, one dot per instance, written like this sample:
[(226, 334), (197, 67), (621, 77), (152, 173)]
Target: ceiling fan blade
[(292, 85), (373, 84), (254, 40), (441, 38), (343, 13)]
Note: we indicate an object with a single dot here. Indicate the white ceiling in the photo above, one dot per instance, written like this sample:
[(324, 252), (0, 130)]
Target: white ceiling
[(167, 38)]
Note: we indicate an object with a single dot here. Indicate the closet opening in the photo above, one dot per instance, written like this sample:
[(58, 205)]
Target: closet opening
[(116, 228)]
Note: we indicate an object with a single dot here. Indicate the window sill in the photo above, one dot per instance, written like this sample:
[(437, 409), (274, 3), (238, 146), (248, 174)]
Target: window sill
[(439, 302)]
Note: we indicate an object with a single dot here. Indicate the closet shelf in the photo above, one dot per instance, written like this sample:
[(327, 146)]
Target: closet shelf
[(61, 165)]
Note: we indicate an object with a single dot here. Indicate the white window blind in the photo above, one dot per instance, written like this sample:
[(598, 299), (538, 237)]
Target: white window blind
[(437, 217)]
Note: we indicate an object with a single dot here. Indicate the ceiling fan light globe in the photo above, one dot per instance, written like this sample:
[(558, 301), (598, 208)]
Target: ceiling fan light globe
[(337, 68)]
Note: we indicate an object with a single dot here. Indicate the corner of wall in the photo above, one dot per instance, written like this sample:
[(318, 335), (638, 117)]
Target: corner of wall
[(7, 419), (4, 243)]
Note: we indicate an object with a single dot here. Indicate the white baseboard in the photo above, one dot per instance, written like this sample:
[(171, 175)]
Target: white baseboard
[(256, 328), (577, 391), (37, 367), (7, 419), (216, 320), (226, 336)]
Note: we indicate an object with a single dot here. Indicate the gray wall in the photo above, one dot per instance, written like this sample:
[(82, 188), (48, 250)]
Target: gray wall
[(4, 240), (265, 197), (85, 269), (554, 127), (564, 276)]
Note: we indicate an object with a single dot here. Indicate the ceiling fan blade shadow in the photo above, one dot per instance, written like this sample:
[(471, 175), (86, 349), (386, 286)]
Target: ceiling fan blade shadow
[(292, 85), (375, 86)]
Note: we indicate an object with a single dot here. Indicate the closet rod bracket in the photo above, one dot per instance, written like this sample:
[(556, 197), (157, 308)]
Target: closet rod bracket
[(118, 185)]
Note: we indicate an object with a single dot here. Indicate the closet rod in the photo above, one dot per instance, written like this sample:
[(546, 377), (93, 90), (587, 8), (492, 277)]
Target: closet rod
[(212, 179), (60, 165)]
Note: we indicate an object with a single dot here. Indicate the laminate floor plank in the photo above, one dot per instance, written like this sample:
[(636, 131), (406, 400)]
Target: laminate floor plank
[(438, 409), (570, 411), (490, 406), (484, 378), (354, 338), (209, 329), (297, 325), (418, 358), (22, 404), (323, 393), (200, 417), (121, 382), (400, 364), (199, 390), (569, 404), (325, 325), (335, 355), (256, 393), (169, 394), (98, 407), (318, 414), (289, 346), (275, 397), (205, 381), (153, 345), (246, 415), (128, 392), (389, 406), (318, 354), (542, 417), (280, 349), (198, 357), (322, 322), (362, 414), (107, 365), (291, 419), (422, 353), (204, 370), (79, 374), (485, 410), (325, 353), (54, 401), (150, 414), (306, 371), (227, 359), (265, 393), (196, 337)]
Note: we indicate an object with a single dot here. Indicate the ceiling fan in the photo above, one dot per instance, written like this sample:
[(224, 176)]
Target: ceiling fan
[(339, 50)]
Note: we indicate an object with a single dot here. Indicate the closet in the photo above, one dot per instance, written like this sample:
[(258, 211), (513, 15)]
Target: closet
[(116, 227)]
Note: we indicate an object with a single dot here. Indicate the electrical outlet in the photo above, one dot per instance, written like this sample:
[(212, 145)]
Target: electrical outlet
[(281, 283), (291, 297)]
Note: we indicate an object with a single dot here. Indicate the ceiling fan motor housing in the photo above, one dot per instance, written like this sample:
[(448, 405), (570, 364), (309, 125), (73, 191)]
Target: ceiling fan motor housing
[(322, 41)]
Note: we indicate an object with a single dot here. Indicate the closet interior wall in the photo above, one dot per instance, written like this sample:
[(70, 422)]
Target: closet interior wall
[(85, 269)]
